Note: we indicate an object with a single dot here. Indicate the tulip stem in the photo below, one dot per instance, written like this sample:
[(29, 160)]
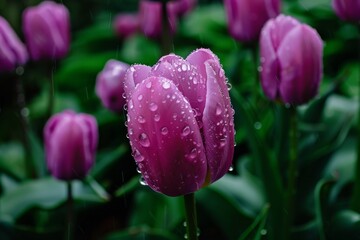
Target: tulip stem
[(70, 209), (166, 38), (50, 109), (190, 214), (292, 173)]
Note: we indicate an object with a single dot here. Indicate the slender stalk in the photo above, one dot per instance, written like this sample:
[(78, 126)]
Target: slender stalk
[(50, 109), (355, 201), (190, 214), (292, 174), (166, 37), (70, 211)]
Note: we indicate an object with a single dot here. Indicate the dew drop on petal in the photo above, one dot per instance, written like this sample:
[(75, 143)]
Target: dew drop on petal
[(142, 181), (218, 110), (140, 97), (137, 156), (141, 119), (131, 105), (144, 140), (231, 168), (156, 117), (222, 142), (192, 154), (164, 131), (186, 130), (166, 85), (148, 85), (153, 107)]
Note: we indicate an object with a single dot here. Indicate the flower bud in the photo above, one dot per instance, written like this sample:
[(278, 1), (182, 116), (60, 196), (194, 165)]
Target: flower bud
[(70, 144), (247, 17), (12, 50), (180, 122), (47, 30), (110, 85), (126, 25), (291, 60), (347, 9)]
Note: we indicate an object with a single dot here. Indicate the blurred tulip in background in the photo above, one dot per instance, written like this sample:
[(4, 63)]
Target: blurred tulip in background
[(180, 122), (12, 50), (70, 144), (347, 9), (47, 30), (291, 60), (110, 85)]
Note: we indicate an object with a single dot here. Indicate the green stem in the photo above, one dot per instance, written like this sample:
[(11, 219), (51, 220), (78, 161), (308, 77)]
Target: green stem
[(190, 214), (50, 109), (70, 211), (166, 37), (355, 201), (292, 173)]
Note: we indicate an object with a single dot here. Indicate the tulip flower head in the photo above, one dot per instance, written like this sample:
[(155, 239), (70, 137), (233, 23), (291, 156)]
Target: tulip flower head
[(347, 9), (291, 60), (180, 122), (12, 50), (70, 144), (47, 30), (110, 85), (247, 17), (126, 25)]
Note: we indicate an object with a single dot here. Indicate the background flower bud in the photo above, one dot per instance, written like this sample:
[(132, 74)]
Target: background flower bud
[(12, 50), (347, 9), (291, 60), (126, 25), (110, 85), (70, 144), (180, 122), (47, 30), (247, 17)]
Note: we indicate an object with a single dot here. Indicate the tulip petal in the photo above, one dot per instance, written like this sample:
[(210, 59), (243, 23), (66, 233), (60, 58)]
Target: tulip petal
[(165, 138), (199, 57), (301, 65), (186, 78), (133, 76), (218, 123)]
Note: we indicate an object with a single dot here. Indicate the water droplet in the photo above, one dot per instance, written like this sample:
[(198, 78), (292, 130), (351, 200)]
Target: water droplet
[(184, 67), (218, 110), (132, 69), (138, 170), (156, 117), (222, 142), (231, 168), (137, 156), (140, 97), (144, 140), (148, 85), (257, 125), (263, 232), (131, 105), (141, 119), (164, 130), (166, 85), (186, 130), (229, 86), (153, 107), (192, 154), (260, 68), (143, 181)]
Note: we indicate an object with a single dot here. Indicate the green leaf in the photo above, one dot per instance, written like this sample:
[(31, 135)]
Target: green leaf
[(44, 193), (140, 233), (12, 160), (344, 225)]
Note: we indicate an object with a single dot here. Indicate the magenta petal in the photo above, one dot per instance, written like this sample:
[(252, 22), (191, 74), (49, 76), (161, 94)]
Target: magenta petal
[(218, 123), (279, 27), (186, 77), (165, 138), (300, 59), (199, 57), (133, 76)]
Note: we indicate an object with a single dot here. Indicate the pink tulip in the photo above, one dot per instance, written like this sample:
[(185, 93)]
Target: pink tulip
[(12, 50), (126, 25), (291, 60), (180, 122), (347, 9), (247, 17), (110, 85), (47, 30), (70, 144)]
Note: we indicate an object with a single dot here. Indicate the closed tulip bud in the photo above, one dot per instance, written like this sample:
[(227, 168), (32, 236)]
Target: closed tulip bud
[(151, 18), (182, 7), (180, 122), (247, 17), (47, 30), (70, 144), (12, 50), (347, 9), (110, 85), (126, 25), (291, 60)]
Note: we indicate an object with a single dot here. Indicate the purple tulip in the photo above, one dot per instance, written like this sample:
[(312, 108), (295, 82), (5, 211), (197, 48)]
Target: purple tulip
[(182, 7), (110, 85), (291, 60), (180, 122), (151, 18), (247, 17), (12, 50), (70, 144), (347, 9), (126, 25), (47, 30)]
